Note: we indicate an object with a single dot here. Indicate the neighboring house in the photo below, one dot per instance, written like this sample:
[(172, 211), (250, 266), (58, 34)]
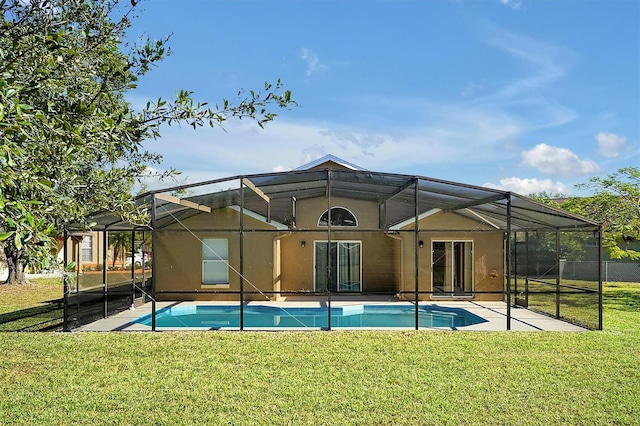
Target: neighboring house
[(331, 226), (83, 248)]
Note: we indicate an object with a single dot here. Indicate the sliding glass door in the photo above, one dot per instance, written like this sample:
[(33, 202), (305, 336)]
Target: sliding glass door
[(452, 268), (341, 268)]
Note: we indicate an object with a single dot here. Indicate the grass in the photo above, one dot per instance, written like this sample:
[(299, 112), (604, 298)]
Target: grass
[(33, 307), (363, 377), (577, 303)]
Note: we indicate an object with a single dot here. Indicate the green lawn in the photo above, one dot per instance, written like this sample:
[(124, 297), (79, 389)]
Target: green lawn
[(363, 377), (33, 307)]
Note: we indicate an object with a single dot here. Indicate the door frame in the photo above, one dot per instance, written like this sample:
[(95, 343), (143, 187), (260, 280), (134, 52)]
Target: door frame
[(453, 294), (315, 272)]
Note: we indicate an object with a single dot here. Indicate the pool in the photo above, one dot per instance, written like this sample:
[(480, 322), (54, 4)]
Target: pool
[(214, 317)]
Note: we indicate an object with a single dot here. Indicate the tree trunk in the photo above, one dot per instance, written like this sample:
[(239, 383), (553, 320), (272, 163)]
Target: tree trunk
[(16, 268)]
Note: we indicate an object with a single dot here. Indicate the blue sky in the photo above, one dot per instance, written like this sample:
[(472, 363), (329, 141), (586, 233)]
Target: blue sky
[(527, 95)]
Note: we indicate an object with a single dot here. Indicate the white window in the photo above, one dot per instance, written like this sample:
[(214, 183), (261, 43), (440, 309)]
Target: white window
[(215, 261)]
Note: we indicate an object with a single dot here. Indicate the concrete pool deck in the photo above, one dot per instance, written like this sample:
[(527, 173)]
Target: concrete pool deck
[(495, 314)]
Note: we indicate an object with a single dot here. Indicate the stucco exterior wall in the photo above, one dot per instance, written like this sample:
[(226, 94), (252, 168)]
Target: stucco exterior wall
[(309, 211), (379, 252), (284, 260), (178, 255), (378, 260), (488, 253)]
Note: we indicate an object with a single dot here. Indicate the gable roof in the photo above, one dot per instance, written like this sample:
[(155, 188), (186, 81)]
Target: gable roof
[(328, 160)]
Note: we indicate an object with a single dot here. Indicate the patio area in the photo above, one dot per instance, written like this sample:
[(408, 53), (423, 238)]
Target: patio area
[(494, 315)]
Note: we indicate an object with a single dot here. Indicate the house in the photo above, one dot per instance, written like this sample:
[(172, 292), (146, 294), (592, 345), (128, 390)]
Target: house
[(83, 248), (331, 228), (286, 244)]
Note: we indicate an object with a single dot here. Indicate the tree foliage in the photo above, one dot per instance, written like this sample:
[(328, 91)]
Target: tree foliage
[(70, 143), (120, 243), (615, 203)]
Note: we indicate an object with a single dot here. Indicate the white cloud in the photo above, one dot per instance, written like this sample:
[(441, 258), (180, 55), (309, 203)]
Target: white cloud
[(285, 145), (449, 134), (552, 160), (513, 4), (610, 145), (314, 65), (529, 186), (548, 62), (280, 168)]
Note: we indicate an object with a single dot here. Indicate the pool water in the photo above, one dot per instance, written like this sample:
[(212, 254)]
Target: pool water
[(261, 316)]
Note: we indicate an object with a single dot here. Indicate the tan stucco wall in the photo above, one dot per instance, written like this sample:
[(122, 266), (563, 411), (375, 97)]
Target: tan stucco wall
[(378, 259), (379, 252), (178, 255), (309, 211), (277, 260), (488, 252)]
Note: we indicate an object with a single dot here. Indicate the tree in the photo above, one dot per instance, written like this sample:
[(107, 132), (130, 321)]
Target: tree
[(119, 242), (69, 141), (616, 205)]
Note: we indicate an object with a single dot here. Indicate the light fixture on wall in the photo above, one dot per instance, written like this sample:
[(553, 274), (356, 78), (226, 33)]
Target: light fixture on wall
[(303, 243), (421, 244)]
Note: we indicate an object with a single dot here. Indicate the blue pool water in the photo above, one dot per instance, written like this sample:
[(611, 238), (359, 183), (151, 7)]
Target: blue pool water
[(261, 316)]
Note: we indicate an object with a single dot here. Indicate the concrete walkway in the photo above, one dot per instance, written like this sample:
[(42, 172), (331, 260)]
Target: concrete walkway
[(494, 313)]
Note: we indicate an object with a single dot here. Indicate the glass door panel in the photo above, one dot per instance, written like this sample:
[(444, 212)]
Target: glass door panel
[(452, 268), (322, 278), (349, 266), (441, 268), (345, 271)]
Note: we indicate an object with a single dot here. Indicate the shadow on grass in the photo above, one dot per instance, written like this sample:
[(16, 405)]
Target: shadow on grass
[(83, 308), (45, 317), (623, 299)]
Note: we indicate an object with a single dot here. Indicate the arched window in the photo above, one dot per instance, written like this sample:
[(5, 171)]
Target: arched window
[(339, 217)]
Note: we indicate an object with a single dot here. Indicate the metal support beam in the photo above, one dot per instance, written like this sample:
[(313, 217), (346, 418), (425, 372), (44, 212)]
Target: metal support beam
[(104, 273), (508, 266), (526, 268), (154, 239), (600, 323), (557, 274), (473, 203), (65, 282), (329, 250), (241, 247), (144, 264), (408, 184), (133, 267), (515, 267), (416, 248), (293, 211)]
